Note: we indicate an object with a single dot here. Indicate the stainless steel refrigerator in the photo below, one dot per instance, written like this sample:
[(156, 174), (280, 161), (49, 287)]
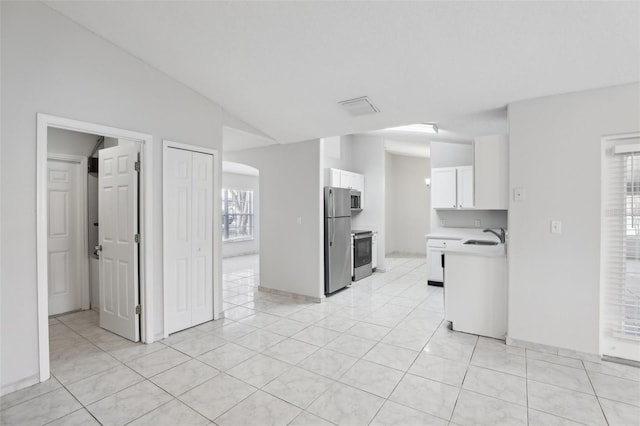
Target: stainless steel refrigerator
[(337, 239)]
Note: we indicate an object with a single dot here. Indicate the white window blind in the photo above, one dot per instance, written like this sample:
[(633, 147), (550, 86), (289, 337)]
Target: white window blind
[(237, 215), (620, 245)]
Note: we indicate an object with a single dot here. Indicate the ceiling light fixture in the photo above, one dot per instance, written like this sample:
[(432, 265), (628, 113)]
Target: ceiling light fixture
[(430, 128)]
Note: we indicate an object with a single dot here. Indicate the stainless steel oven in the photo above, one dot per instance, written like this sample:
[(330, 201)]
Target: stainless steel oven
[(362, 252)]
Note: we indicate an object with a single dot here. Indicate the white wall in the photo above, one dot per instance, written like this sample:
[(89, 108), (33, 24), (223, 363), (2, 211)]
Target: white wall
[(245, 183), (367, 158), (336, 154), (291, 253), (450, 154), (51, 65), (62, 141), (555, 154), (408, 204), (467, 219)]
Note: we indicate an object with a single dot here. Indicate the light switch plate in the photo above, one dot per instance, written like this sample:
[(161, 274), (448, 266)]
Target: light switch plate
[(556, 227), (518, 194)]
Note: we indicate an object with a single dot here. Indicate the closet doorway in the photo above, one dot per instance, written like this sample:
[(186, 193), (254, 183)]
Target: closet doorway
[(189, 230)]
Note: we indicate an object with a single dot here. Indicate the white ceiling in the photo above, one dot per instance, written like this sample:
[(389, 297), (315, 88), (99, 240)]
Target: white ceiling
[(282, 67)]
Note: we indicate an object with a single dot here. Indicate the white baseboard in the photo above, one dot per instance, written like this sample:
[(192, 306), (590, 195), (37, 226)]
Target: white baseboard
[(20, 384), (290, 294), (554, 350)]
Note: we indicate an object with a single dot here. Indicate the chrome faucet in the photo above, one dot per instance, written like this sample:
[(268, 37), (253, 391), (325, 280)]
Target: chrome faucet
[(501, 235)]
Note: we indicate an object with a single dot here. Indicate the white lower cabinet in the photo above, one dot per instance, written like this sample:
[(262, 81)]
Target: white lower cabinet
[(475, 293)]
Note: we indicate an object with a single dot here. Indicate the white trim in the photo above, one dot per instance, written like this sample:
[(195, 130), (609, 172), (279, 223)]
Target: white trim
[(217, 238), (625, 149), (45, 121), (81, 161)]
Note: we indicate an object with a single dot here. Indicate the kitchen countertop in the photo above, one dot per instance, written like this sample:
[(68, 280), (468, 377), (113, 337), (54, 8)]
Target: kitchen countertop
[(473, 250), (460, 235)]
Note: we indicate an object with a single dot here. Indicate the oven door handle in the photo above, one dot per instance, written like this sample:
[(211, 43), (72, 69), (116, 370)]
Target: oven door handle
[(362, 236)]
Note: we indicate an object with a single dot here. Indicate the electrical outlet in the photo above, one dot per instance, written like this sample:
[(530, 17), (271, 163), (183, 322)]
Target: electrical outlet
[(556, 227), (478, 223), (299, 221)]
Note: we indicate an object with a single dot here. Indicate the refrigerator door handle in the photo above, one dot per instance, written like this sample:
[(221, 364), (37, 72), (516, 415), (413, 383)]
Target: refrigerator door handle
[(332, 203), (333, 230)]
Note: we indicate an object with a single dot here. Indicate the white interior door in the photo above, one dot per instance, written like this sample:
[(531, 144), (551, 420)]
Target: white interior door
[(118, 225), (188, 240), (178, 248), (202, 238), (64, 246)]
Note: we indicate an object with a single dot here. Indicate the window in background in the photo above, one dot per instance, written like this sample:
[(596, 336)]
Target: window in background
[(237, 215), (620, 250)]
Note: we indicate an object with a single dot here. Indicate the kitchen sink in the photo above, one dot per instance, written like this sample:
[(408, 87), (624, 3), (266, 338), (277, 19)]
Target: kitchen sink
[(482, 243)]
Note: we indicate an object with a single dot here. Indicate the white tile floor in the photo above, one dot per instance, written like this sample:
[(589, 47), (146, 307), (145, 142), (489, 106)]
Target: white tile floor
[(377, 353)]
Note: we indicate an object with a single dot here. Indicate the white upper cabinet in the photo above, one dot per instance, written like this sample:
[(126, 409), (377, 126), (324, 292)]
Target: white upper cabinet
[(358, 182), (464, 176), (452, 187), (443, 188), (491, 169), (346, 179)]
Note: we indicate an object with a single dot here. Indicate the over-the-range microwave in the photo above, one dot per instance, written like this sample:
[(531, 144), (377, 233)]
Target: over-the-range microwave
[(356, 200)]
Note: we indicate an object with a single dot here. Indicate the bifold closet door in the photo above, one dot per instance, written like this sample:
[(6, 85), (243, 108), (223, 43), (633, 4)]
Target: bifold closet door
[(189, 240)]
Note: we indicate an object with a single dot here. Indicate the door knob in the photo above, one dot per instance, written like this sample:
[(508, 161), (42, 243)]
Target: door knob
[(99, 248)]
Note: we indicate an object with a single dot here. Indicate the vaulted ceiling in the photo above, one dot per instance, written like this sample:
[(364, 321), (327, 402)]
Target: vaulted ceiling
[(282, 67)]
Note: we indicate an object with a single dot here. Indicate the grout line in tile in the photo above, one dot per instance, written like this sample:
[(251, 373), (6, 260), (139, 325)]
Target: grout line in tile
[(594, 392), (526, 385)]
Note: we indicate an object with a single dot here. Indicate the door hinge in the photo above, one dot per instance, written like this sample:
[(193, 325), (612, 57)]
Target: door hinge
[(137, 166), (138, 309), (137, 238)]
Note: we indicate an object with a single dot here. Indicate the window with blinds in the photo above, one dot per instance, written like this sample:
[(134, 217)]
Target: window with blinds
[(237, 215), (620, 250)]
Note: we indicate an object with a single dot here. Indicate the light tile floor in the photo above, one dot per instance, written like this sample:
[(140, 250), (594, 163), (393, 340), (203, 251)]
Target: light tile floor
[(377, 353)]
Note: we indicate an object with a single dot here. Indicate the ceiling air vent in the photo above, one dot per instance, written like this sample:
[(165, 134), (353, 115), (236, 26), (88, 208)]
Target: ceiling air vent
[(359, 106)]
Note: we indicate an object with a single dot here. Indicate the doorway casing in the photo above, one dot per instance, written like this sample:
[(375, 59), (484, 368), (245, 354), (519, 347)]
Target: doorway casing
[(44, 122)]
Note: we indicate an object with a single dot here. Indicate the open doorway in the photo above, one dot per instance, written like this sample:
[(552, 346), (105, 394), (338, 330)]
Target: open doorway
[(70, 200), (72, 210), (240, 238)]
